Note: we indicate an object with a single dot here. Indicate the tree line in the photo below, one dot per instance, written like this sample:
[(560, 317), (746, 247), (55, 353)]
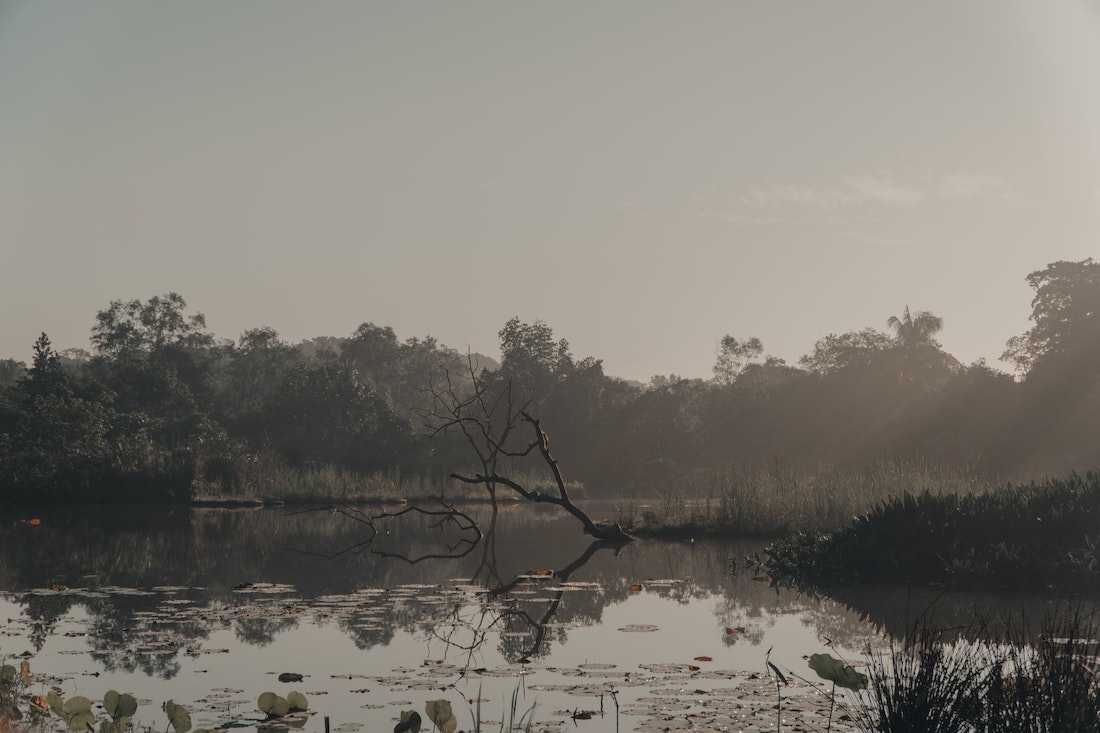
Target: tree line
[(160, 402)]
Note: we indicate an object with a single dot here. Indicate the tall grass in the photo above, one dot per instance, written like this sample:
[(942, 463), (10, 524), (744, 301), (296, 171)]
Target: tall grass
[(1004, 684), (1038, 535), (266, 475), (780, 499)]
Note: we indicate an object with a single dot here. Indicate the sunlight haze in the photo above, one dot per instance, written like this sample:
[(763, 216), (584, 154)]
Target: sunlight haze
[(645, 177)]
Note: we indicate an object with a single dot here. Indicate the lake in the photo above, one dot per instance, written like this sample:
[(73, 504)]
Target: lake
[(207, 606)]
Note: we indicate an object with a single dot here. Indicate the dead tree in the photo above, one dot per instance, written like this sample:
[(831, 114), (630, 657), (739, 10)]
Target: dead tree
[(447, 516), (490, 422)]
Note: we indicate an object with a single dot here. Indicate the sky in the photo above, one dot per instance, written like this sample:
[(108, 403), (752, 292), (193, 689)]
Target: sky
[(644, 176)]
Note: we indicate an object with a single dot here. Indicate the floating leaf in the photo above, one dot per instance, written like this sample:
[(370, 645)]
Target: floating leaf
[(440, 713), (265, 703), (118, 705), (297, 701), (178, 717), (55, 703), (272, 705), (836, 671), (110, 702), (634, 628), (77, 704), (127, 705), (80, 721)]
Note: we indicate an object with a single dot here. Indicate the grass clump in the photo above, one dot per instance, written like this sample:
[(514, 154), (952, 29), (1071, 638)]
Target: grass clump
[(779, 499), (1041, 535), (1000, 684)]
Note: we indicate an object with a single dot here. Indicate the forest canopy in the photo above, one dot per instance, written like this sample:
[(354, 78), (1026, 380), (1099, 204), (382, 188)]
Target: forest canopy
[(161, 403)]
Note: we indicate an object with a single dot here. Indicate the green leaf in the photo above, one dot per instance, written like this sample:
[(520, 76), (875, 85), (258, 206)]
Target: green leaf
[(80, 720), (127, 706), (440, 713), (56, 703), (836, 671), (297, 701), (110, 702), (178, 717), (272, 705), (77, 704)]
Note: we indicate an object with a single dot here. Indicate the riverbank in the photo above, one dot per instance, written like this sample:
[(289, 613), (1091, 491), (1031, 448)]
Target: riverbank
[(775, 502), (260, 502), (1040, 535)]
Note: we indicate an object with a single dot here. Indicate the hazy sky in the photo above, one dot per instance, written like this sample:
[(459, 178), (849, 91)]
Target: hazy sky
[(643, 176)]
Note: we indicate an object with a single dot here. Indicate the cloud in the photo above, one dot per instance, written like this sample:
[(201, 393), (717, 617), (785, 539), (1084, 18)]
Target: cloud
[(972, 185), (852, 191), (875, 190)]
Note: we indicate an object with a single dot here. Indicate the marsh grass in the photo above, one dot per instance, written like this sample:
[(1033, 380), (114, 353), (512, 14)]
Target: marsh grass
[(1040, 535), (933, 682), (265, 475), (514, 720), (779, 499)]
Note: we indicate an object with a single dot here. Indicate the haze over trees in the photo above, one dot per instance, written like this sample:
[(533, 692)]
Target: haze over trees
[(161, 403)]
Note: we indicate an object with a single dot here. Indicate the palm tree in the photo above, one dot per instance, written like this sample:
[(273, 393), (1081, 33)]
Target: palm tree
[(916, 329)]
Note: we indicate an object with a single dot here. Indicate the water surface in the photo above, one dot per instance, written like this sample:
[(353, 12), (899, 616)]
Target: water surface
[(207, 606)]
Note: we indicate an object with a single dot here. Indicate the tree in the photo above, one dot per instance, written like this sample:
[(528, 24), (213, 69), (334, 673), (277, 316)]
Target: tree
[(11, 371), (47, 375), (531, 359), (916, 329), (734, 356), (257, 365), (133, 326), (490, 421), (1065, 312), (58, 439), (853, 349), (324, 414)]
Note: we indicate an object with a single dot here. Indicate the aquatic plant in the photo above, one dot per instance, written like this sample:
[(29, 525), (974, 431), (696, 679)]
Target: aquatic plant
[(1040, 535), (178, 717), (1004, 683), (121, 708)]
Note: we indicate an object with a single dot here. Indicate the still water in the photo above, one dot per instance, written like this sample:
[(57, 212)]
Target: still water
[(206, 607)]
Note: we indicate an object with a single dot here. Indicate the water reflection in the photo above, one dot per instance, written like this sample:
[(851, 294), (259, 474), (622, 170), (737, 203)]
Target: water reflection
[(176, 595)]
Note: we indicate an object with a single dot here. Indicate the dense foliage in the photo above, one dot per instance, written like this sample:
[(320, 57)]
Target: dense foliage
[(1035, 536), (161, 403)]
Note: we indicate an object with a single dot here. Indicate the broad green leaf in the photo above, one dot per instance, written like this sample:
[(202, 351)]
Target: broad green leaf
[(127, 706), (80, 720), (834, 670), (178, 717), (56, 703), (297, 701), (110, 702)]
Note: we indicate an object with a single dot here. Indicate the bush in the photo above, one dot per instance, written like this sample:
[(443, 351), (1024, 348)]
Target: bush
[(1039, 535)]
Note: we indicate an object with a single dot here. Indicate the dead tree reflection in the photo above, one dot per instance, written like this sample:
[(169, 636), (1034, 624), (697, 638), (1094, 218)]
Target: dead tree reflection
[(445, 516), (467, 627)]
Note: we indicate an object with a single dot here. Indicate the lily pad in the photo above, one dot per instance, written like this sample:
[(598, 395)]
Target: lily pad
[(834, 670)]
